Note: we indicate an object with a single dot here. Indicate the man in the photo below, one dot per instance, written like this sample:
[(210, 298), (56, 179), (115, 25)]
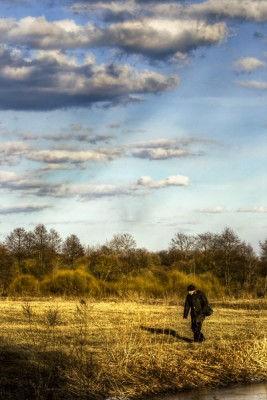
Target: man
[(197, 302)]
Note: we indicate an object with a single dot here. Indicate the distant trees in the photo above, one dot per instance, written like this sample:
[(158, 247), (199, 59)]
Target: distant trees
[(105, 265), (17, 244), (28, 259), (204, 252), (122, 243), (231, 260), (72, 249), (182, 244), (263, 258), (227, 248), (263, 267), (8, 268), (40, 246)]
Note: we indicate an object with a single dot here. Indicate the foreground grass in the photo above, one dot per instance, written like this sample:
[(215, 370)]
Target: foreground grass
[(71, 349)]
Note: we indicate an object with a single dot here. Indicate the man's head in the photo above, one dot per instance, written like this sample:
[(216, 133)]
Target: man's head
[(191, 289)]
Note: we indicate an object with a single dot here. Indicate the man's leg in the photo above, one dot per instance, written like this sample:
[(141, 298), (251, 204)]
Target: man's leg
[(196, 328)]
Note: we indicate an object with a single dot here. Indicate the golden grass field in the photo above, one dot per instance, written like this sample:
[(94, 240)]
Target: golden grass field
[(72, 349)]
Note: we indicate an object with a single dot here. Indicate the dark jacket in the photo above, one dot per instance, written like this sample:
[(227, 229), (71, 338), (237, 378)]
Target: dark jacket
[(196, 303)]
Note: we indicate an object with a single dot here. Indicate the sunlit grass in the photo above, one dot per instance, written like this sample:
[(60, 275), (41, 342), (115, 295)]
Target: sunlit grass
[(95, 349)]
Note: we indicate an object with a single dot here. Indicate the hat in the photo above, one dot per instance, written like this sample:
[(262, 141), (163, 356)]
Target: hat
[(191, 287)]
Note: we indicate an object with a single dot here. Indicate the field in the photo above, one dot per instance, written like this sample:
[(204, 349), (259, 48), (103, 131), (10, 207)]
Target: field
[(86, 349)]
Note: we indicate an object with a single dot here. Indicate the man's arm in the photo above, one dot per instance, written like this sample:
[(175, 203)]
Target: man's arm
[(186, 307), (204, 301)]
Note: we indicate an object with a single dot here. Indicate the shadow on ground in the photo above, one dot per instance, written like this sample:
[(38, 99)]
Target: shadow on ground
[(27, 374), (167, 331)]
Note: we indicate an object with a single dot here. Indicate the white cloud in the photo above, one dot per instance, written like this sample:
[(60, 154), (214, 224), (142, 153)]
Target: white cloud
[(94, 190), (148, 182), (10, 152), (140, 187), (212, 210), (160, 153), (37, 32), (163, 149), (248, 64), (63, 156), (31, 186), (60, 58), (253, 209), (259, 85), (162, 37), (7, 176), (90, 191), (149, 36)]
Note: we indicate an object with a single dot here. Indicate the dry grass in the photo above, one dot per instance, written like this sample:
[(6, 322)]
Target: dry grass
[(67, 349)]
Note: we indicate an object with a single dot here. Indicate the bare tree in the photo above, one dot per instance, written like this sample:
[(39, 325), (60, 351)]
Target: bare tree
[(16, 243), (41, 242), (8, 268), (72, 249), (122, 243), (183, 243), (228, 249), (54, 242)]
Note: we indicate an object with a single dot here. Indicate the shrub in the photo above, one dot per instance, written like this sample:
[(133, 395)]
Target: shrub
[(160, 283), (25, 284), (69, 282), (207, 282)]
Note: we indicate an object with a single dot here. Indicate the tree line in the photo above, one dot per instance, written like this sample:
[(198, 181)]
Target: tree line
[(41, 262)]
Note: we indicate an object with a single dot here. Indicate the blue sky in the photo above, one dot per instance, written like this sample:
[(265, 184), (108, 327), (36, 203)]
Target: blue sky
[(140, 117)]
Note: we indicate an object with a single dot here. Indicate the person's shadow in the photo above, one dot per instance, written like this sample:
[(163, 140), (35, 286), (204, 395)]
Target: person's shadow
[(166, 331)]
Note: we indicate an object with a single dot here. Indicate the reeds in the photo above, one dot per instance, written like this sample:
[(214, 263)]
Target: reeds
[(95, 350)]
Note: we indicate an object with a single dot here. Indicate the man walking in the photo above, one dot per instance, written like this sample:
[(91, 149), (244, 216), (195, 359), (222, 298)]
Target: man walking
[(196, 302)]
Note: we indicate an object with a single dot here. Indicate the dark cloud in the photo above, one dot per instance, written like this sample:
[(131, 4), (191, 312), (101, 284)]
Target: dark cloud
[(255, 10), (39, 71), (22, 209), (53, 80), (17, 2), (247, 10), (260, 35), (79, 137)]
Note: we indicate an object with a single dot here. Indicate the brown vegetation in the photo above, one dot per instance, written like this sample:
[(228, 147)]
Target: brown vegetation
[(87, 349), (39, 262)]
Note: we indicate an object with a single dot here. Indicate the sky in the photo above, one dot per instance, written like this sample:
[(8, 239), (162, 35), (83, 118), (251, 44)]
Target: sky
[(139, 117)]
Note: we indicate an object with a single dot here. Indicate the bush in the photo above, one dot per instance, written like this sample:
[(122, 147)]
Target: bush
[(69, 282), (162, 284), (25, 284), (207, 282)]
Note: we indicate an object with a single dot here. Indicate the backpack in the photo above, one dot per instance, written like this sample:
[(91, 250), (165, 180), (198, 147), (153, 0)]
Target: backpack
[(208, 311)]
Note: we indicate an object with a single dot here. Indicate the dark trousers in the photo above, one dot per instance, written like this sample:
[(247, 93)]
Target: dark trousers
[(196, 328)]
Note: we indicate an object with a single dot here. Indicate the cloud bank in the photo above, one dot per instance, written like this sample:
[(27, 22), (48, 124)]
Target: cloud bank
[(51, 80)]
